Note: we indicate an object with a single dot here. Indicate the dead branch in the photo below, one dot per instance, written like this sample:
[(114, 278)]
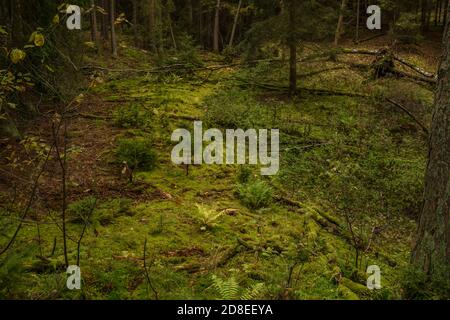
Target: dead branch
[(398, 105), (146, 271), (416, 69), (84, 230), (29, 203), (62, 160), (315, 91)]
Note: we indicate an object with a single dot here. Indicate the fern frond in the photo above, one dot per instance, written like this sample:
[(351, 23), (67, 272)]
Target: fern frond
[(254, 292), (207, 215), (227, 289)]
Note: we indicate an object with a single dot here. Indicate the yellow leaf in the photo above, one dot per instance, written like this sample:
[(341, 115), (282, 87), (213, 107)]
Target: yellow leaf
[(49, 68), (17, 55), (32, 36), (79, 99), (39, 40), (90, 44), (56, 19)]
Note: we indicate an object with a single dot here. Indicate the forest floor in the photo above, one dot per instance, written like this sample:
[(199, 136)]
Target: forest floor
[(342, 156)]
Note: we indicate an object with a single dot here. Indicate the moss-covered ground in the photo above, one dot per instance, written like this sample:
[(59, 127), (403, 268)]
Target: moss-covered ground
[(345, 162)]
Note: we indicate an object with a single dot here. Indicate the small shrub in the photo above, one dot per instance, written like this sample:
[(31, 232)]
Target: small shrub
[(83, 210), (181, 63), (108, 211), (417, 285), (137, 153), (128, 117), (122, 206), (255, 195), (243, 174), (11, 273)]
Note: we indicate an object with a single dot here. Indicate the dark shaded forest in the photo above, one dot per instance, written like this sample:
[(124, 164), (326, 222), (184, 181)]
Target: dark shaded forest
[(349, 199)]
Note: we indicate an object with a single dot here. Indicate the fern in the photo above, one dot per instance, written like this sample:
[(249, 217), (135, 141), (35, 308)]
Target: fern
[(208, 216), (255, 195), (229, 289), (254, 292)]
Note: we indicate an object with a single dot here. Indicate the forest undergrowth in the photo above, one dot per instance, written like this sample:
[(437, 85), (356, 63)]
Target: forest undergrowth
[(347, 194)]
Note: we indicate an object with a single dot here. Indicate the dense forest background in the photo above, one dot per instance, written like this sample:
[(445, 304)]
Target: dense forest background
[(86, 118)]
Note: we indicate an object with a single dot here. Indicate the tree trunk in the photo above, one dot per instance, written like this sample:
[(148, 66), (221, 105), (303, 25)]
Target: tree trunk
[(94, 22), (104, 20), (216, 28), (436, 14), (172, 34), (292, 48), (190, 14), (425, 19), (135, 23), (16, 23), (432, 249), (200, 26), (112, 16), (429, 9), (358, 16), (236, 18), (340, 25), (159, 24), (446, 16), (151, 14)]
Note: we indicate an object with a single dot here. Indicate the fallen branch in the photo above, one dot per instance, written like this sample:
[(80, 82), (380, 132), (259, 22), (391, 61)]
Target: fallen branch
[(182, 117), (93, 116), (316, 91), (370, 38), (313, 73), (402, 74), (398, 105), (430, 76), (241, 246), (416, 69)]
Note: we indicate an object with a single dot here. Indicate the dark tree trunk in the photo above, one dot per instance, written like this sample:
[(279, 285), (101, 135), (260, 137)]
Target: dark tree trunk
[(93, 22), (104, 20), (292, 48), (216, 28), (16, 23), (446, 13), (135, 23), (432, 248), (190, 14), (340, 25), (436, 14), (236, 17), (112, 16), (358, 16)]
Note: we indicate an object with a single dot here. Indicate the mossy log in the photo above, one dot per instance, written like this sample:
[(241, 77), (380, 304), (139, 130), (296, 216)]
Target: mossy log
[(346, 293), (355, 287), (327, 221)]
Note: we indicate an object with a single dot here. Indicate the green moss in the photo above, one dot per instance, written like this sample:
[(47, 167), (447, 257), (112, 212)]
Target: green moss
[(347, 293), (324, 140)]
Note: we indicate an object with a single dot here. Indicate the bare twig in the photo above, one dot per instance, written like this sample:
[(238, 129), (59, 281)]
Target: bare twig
[(398, 105), (63, 164), (84, 230), (146, 272)]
